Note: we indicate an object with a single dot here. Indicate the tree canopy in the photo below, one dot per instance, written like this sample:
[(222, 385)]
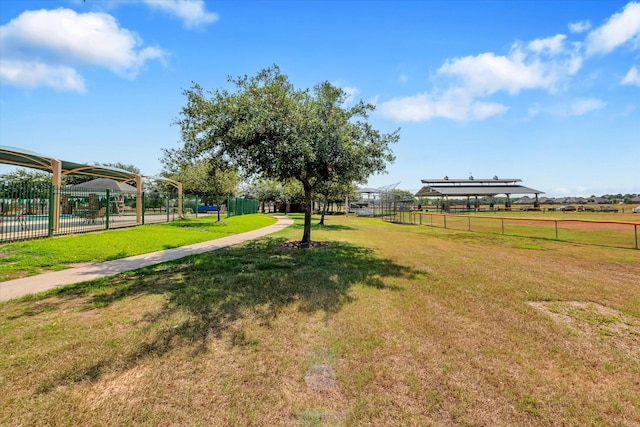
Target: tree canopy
[(269, 129), (200, 177)]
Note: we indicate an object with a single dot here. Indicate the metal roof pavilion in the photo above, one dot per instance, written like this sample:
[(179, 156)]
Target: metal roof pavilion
[(473, 187), (21, 157)]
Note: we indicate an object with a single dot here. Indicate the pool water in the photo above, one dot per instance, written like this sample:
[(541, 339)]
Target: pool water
[(36, 217)]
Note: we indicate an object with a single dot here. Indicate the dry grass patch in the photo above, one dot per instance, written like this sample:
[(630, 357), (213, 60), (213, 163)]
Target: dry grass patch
[(598, 323)]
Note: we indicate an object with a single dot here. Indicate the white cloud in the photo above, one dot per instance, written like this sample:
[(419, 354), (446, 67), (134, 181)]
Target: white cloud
[(577, 107), (192, 12), (632, 77), (583, 106), (487, 73), (533, 112), (552, 45), (351, 93), (545, 64), (541, 64), (454, 105), (52, 43), (33, 74), (579, 27), (621, 28)]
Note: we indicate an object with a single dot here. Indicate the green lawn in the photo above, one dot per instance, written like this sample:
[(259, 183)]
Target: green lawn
[(37, 256), (385, 325)]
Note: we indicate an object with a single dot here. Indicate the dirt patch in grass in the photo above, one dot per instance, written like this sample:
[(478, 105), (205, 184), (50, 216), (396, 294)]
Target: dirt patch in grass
[(596, 322), (120, 386), (320, 378)]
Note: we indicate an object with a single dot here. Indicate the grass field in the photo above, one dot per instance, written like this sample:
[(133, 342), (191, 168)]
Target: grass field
[(607, 229), (386, 325)]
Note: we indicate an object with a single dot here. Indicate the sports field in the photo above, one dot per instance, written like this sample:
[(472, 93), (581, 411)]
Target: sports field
[(383, 325), (608, 229)]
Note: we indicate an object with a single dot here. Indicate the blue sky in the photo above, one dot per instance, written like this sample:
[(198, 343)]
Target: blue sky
[(544, 91)]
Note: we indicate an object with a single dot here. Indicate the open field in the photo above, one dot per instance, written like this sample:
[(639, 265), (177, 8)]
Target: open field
[(607, 229), (386, 325)]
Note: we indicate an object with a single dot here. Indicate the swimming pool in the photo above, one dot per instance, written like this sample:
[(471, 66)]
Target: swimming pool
[(35, 217)]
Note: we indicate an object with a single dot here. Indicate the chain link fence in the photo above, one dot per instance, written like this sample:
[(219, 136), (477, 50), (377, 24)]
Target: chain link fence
[(623, 234)]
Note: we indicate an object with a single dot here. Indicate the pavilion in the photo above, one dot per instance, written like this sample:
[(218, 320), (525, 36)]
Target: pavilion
[(445, 188), (20, 157)]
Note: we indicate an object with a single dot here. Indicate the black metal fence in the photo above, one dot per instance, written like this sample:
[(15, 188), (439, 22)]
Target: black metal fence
[(27, 210), (23, 207)]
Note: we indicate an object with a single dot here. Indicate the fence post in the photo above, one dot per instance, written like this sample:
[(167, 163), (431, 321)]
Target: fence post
[(502, 224), (635, 229), (445, 221), (143, 206), (469, 217), (52, 190), (108, 211), (167, 206), (556, 221)]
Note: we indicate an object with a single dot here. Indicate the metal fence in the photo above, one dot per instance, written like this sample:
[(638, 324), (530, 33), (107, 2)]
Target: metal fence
[(606, 233), (23, 207), (241, 206), (26, 210)]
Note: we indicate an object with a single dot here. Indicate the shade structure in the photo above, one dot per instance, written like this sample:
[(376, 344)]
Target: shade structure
[(473, 187), (107, 184)]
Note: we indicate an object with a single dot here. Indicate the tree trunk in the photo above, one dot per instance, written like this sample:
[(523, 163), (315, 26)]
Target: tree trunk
[(306, 235), (324, 210)]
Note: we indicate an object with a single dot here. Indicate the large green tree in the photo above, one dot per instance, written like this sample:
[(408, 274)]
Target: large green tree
[(335, 191), (268, 128), (200, 177), (23, 176)]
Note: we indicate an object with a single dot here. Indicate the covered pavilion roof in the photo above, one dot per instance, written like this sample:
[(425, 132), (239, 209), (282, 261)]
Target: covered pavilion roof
[(473, 187), (21, 157)]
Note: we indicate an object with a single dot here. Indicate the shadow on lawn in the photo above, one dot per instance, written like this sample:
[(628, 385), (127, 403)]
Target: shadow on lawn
[(216, 289), (325, 227)]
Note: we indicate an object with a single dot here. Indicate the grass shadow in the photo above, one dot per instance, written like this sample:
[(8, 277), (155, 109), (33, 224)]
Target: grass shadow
[(211, 291), (326, 227), (332, 227)]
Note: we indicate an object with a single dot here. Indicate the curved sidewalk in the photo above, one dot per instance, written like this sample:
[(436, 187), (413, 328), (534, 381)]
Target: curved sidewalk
[(29, 285)]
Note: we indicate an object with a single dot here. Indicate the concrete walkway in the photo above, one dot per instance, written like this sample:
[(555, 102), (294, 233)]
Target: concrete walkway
[(29, 285)]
